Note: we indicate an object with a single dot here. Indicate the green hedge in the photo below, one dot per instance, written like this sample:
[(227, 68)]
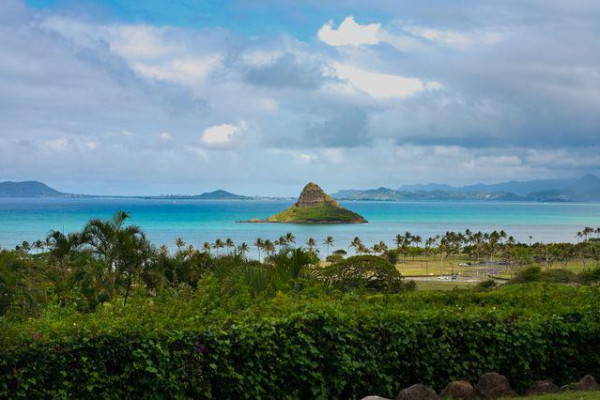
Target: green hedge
[(315, 350)]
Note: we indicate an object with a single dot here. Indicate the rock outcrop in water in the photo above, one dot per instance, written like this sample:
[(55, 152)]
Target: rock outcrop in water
[(314, 206)]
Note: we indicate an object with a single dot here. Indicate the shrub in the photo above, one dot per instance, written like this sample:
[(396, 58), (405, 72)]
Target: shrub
[(295, 347), (486, 285), (590, 276), (529, 274), (558, 276), (333, 258), (363, 272)]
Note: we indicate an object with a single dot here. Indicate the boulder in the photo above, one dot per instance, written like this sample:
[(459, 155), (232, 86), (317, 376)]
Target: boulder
[(374, 398), (417, 392), (588, 382), (493, 385), (459, 390), (542, 387)]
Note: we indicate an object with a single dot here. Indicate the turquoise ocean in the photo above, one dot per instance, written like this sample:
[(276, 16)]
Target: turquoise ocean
[(199, 221)]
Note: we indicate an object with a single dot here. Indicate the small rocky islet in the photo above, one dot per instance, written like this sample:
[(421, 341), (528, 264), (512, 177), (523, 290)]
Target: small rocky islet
[(314, 206)]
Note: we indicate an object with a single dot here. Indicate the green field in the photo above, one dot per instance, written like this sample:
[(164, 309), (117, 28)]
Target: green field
[(423, 266), (442, 285)]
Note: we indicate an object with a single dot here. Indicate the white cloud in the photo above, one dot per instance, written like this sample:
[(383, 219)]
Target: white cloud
[(188, 70), (261, 57), (349, 33), (166, 136), (141, 41), (58, 144), (222, 135), (378, 85), (460, 40), (92, 144), (403, 37), (269, 105), (305, 158)]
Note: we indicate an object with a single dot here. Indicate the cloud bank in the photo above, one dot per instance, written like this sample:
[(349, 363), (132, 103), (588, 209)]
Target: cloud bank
[(387, 95)]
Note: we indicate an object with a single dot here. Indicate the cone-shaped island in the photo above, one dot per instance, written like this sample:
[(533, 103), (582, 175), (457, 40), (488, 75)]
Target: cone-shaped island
[(314, 206)]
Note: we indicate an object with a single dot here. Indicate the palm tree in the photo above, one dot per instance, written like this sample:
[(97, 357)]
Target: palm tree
[(219, 245), (398, 240), (243, 248), (38, 244), (180, 243), (207, 246), (328, 242), (282, 242), (123, 250), (428, 244), (587, 231), (62, 247), (311, 243), (259, 245), (382, 247), (229, 244), (290, 238), (417, 240), (269, 247), (376, 248), (357, 244)]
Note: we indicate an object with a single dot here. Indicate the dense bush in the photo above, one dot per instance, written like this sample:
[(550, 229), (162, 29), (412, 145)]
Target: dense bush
[(529, 274), (363, 272), (333, 258), (202, 345), (591, 275), (558, 276)]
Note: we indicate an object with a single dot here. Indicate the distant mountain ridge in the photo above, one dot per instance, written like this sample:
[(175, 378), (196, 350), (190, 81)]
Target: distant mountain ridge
[(35, 189), (28, 189), (587, 188), (220, 195)]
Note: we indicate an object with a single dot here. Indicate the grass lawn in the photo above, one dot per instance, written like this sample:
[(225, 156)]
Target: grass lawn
[(431, 265), (442, 285)]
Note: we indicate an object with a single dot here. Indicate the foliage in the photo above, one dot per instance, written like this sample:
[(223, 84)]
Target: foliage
[(101, 313), (334, 258), (589, 276), (363, 272), (209, 344), (486, 285), (530, 274), (317, 214)]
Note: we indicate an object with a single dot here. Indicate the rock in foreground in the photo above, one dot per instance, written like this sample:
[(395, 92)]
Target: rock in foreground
[(493, 385), (587, 383), (417, 392), (542, 387), (459, 390)]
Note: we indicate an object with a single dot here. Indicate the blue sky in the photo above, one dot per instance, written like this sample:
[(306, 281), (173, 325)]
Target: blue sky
[(259, 97)]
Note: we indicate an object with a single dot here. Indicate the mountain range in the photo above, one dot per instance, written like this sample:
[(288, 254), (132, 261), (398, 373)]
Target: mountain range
[(28, 189), (586, 188)]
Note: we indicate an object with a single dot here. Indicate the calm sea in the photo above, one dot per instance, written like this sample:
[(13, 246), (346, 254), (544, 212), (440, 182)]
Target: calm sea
[(200, 221)]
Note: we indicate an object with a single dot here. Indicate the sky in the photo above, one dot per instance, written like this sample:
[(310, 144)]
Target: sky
[(259, 97)]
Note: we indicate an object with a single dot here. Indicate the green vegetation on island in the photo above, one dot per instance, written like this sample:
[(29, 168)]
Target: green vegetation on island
[(314, 206)]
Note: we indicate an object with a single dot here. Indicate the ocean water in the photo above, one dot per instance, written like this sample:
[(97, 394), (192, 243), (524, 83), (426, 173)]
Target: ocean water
[(199, 221)]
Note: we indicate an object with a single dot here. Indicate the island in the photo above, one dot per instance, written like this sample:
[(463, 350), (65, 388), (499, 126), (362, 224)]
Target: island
[(314, 206)]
